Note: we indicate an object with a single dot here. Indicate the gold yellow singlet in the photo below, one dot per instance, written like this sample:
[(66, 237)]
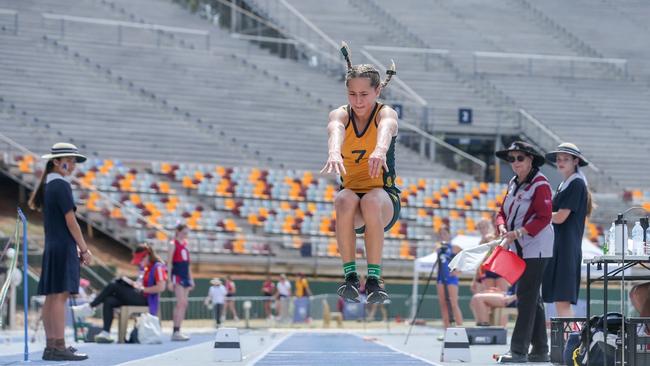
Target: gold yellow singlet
[(357, 147)]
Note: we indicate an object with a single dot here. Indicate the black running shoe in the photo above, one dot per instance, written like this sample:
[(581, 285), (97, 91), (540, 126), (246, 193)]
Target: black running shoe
[(53, 354), (350, 289), (375, 291)]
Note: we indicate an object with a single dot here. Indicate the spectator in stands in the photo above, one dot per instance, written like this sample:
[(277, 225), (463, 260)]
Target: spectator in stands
[(268, 290), (145, 291), (283, 296), (181, 281), (216, 298), (230, 303), (362, 151), (571, 206), (524, 221), (483, 303), (65, 247), (447, 282)]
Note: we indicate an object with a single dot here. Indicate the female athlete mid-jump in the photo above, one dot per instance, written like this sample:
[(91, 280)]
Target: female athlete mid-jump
[(362, 151)]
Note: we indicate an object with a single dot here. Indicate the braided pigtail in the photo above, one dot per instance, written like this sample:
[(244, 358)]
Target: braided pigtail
[(389, 74), (345, 51)]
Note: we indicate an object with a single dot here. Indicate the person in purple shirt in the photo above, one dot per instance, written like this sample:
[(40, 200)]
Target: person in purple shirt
[(145, 291)]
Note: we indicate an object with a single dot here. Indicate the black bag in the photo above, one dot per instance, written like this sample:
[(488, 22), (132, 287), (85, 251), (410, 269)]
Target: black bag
[(594, 353), (133, 336)]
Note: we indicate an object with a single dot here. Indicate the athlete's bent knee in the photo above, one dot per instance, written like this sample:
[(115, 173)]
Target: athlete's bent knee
[(346, 200)]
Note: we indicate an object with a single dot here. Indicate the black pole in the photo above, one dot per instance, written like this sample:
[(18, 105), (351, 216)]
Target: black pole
[(417, 310)]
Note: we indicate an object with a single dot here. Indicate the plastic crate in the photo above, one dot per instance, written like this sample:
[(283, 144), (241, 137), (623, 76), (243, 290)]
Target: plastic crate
[(561, 327), (637, 342)]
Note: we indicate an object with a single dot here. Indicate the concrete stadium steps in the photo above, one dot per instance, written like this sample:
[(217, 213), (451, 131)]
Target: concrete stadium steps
[(623, 103), (19, 129), (597, 109), (82, 107), (437, 85), (579, 121), (614, 28), (236, 102), (337, 18), (319, 85), (469, 25)]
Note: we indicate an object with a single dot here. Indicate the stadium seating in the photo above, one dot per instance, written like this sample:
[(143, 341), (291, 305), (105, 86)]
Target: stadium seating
[(210, 120), (640, 198), (614, 28), (294, 207)]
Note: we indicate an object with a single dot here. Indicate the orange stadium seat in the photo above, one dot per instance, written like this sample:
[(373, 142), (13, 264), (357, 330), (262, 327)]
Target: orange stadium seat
[(165, 168), (161, 236), (26, 164), (332, 249)]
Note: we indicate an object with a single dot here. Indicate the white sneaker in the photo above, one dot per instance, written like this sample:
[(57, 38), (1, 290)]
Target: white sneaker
[(83, 310), (179, 337), (104, 337)]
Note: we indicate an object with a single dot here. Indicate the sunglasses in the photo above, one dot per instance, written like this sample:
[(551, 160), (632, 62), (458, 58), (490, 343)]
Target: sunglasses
[(512, 159)]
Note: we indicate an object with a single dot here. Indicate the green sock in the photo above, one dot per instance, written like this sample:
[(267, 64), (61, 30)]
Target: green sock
[(349, 267), (374, 270)]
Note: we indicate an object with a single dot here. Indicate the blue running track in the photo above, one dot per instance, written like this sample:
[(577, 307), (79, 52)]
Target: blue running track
[(334, 349)]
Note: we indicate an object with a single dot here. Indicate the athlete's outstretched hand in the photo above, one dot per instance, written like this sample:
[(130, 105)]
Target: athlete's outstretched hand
[(376, 161), (334, 164)]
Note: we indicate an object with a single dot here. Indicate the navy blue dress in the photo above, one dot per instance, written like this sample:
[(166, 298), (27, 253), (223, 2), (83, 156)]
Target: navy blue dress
[(562, 277), (61, 265)]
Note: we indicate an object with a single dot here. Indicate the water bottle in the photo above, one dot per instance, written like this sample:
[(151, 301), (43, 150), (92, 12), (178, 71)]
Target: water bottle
[(621, 235), (637, 239), (611, 240), (647, 242)]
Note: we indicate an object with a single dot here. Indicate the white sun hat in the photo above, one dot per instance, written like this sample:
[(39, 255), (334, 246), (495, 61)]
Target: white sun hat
[(64, 149)]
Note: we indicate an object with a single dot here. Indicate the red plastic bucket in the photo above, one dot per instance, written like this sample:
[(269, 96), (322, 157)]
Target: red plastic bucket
[(506, 264)]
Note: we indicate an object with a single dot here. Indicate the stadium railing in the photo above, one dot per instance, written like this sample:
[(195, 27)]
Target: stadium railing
[(120, 26), (547, 140), (239, 23), (529, 64), (398, 307)]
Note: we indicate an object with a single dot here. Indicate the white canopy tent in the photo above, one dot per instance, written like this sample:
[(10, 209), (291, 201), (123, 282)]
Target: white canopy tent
[(424, 264)]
